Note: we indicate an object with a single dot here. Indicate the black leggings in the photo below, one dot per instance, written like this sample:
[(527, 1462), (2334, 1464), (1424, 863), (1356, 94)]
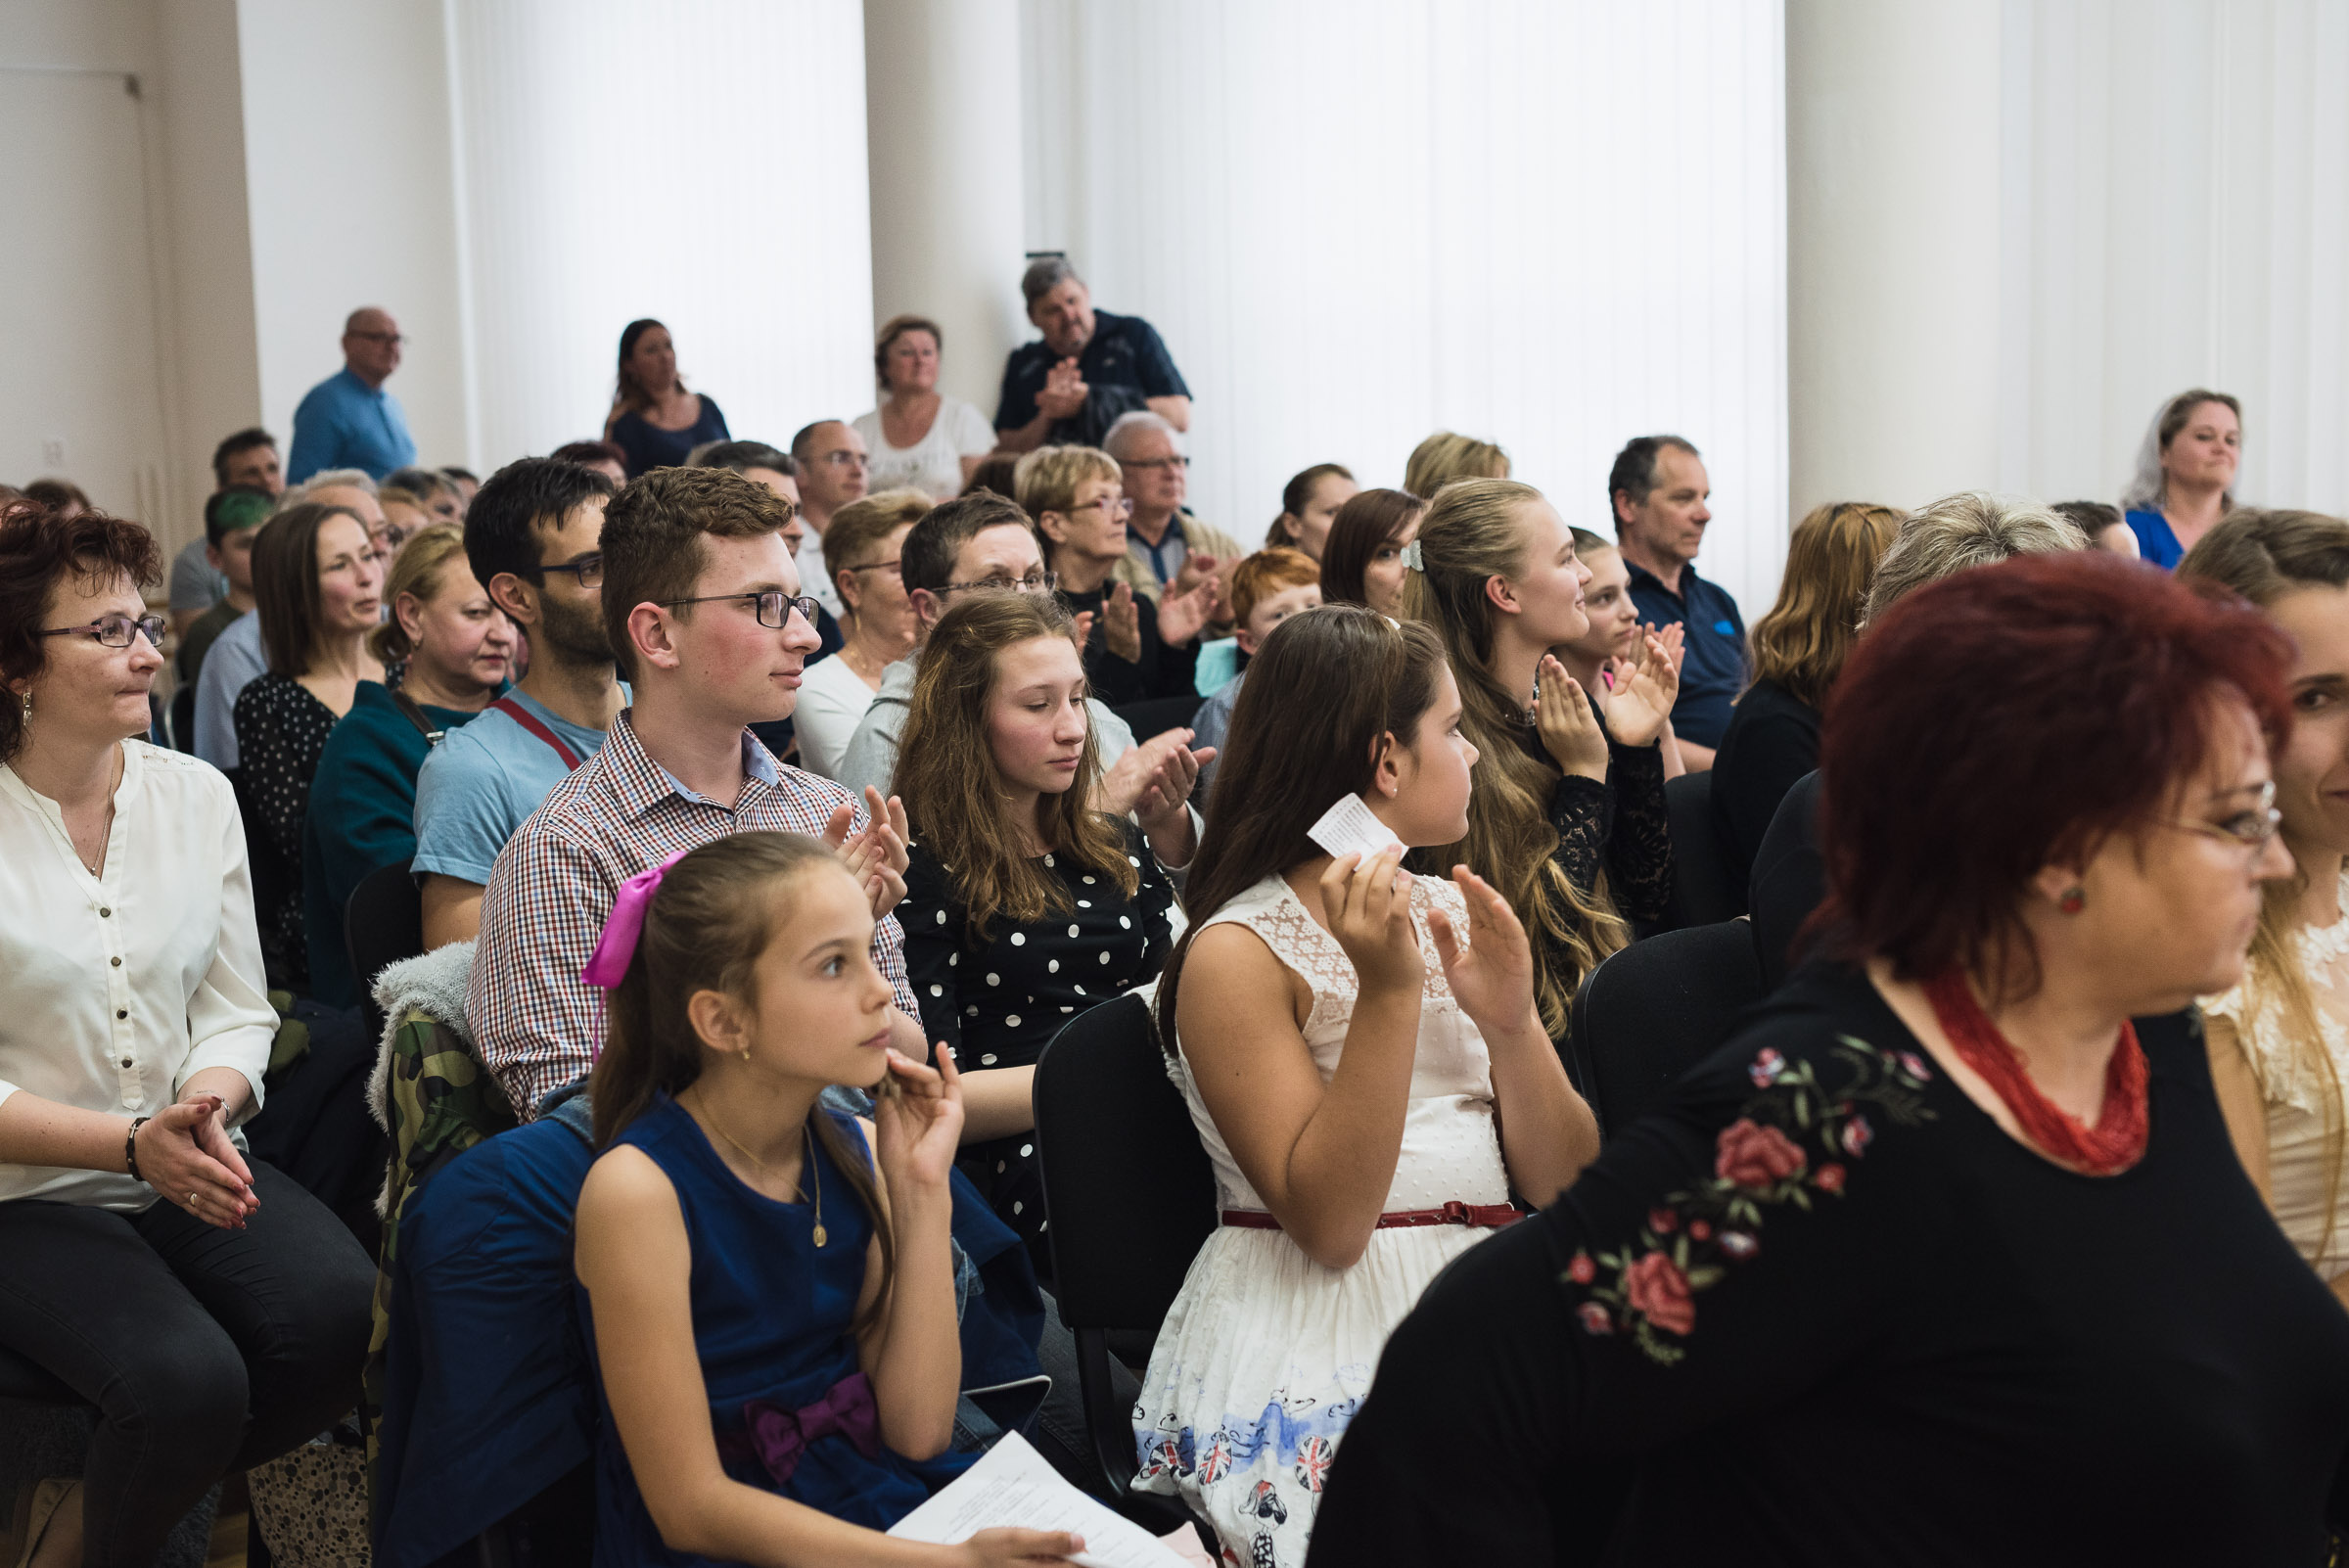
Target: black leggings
[(205, 1350)]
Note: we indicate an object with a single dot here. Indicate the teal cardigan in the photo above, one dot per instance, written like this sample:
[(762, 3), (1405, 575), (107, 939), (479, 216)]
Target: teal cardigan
[(362, 816)]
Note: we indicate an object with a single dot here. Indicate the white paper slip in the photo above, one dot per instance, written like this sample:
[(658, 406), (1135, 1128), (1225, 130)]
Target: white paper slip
[(1349, 828), (1011, 1486)]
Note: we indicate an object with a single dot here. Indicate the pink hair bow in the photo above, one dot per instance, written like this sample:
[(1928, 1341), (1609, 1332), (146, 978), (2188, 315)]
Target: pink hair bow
[(617, 945)]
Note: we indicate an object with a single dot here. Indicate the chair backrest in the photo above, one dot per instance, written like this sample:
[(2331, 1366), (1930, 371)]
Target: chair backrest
[(1704, 890), (382, 923), (1656, 1009), (1129, 1192), (183, 718)]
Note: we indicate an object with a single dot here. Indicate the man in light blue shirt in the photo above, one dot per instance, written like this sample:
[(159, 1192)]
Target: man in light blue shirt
[(348, 420), (235, 661)]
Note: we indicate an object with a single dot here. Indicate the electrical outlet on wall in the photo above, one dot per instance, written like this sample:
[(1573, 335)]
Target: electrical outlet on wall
[(53, 451)]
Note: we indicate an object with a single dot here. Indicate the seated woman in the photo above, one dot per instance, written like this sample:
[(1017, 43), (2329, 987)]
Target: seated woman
[(860, 553), (1941, 1226), (318, 583), (1023, 904), (2185, 480), (768, 1280), (1446, 457), (919, 438), (1798, 648), (452, 649), (2279, 1040), (1362, 562), (1562, 795), (1603, 654), (1363, 1058), (1308, 503), (1139, 650), (226, 1323)]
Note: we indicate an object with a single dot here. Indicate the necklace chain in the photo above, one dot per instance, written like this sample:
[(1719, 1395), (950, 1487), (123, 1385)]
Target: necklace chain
[(807, 1163)]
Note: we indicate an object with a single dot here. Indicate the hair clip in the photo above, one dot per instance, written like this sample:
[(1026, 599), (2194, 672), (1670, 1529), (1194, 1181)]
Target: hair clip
[(617, 945), (1414, 559)]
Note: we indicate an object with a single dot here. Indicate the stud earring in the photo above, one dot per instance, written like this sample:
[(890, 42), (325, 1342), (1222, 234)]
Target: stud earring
[(2074, 900)]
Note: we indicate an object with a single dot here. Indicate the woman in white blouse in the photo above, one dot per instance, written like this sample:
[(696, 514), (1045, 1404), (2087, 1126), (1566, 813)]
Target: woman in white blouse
[(2280, 1040), (214, 1313), (861, 554), (919, 438)]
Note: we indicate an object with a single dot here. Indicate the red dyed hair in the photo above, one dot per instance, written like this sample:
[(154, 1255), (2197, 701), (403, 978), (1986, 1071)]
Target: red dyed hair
[(2011, 717), (38, 549)]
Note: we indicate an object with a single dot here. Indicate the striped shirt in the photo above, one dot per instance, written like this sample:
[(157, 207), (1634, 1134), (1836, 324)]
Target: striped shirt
[(538, 1025)]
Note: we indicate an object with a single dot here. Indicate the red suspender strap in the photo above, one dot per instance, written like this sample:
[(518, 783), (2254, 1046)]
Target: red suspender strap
[(532, 722)]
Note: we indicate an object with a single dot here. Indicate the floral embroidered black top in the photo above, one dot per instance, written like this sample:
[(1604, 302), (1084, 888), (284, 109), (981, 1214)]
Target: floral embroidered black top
[(1821, 1310)]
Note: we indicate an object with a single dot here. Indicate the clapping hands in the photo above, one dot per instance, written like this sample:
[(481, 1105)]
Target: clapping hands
[(1642, 687), (877, 857)]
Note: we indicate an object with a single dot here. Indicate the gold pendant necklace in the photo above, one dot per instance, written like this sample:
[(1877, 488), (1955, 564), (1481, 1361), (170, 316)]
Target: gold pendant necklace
[(807, 1162)]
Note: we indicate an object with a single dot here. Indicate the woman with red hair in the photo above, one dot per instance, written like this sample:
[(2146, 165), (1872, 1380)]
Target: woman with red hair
[(1946, 1258)]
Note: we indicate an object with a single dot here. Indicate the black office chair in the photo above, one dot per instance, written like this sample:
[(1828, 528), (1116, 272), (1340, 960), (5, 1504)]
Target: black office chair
[(183, 718), (1656, 1009), (382, 923), (1704, 891), (1158, 714), (1130, 1197)]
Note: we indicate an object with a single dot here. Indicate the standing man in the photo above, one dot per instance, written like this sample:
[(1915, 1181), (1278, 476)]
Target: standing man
[(831, 461), (348, 420), (1091, 367), (1658, 490)]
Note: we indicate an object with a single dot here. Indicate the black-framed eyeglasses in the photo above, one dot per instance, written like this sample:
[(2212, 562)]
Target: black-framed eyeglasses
[(391, 339), (1033, 583), (114, 631), (587, 570), (878, 566), (1177, 461), (773, 608)]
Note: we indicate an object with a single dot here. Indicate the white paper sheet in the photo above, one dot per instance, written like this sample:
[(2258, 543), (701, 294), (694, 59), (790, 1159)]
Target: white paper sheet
[(1349, 828), (1011, 1486)]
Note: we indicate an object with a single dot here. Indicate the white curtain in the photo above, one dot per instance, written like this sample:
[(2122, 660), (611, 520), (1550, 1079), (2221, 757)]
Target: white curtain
[(1554, 225), (2177, 214), (701, 161)]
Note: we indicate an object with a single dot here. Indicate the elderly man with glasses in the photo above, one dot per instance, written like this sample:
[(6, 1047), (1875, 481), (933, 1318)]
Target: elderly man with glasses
[(1089, 367), (1166, 541), (348, 420)]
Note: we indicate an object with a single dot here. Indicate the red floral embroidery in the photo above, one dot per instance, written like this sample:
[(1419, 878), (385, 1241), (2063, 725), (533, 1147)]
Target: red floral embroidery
[(1648, 1288)]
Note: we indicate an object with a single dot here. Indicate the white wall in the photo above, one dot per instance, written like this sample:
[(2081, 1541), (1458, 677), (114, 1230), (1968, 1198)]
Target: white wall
[(1558, 228)]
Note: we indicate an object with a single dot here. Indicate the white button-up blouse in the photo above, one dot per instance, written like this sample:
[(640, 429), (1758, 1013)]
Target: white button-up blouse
[(115, 990)]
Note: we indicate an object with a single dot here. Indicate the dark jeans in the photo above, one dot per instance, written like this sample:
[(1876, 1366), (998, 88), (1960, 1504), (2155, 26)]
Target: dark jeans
[(205, 1350)]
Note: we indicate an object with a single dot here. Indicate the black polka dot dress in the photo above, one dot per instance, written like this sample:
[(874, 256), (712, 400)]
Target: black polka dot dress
[(281, 733), (1000, 1001)]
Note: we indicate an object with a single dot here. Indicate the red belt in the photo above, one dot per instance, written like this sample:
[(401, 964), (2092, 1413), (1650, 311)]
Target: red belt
[(1489, 1215)]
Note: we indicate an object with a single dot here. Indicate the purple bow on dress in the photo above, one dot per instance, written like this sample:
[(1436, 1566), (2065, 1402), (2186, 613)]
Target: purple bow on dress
[(777, 1437), (617, 945)]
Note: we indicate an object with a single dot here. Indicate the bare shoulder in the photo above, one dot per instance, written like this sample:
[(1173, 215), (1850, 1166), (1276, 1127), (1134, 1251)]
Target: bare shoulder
[(624, 1187)]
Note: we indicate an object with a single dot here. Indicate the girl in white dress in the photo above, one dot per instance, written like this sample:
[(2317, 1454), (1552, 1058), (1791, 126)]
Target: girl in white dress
[(2280, 1040), (1361, 1055)]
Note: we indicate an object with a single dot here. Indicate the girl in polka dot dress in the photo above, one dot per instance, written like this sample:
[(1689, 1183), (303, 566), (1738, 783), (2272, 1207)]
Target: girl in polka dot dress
[(1023, 906)]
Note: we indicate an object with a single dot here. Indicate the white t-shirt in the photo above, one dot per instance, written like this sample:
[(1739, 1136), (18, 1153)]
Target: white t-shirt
[(833, 699), (934, 464)]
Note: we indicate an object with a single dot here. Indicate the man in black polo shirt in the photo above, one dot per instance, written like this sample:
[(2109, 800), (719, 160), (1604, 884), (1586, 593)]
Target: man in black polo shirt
[(1091, 367), (1658, 490)]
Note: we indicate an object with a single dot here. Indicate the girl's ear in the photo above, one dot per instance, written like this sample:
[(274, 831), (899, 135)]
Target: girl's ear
[(1503, 596), (717, 1020), (1386, 770)]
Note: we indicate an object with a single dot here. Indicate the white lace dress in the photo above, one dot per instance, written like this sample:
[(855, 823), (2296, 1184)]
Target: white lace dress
[(2294, 1083), (1267, 1353)]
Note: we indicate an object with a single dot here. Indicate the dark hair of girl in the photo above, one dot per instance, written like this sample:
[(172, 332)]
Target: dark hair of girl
[(1368, 519), (1295, 497)]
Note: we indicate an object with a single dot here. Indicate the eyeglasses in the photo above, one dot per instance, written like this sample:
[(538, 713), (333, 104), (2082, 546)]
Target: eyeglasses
[(394, 339), (898, 567), (2250, 829), (114, 631), (1110, 506), (1177, 462), (1033, 583), (587, 570), (843, 458), (773, 607)]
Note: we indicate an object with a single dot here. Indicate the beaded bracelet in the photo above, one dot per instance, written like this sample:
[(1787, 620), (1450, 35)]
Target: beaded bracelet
[(131, 1147)]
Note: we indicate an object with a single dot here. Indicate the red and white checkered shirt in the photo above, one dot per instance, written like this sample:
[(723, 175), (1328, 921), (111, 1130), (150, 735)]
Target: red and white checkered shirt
[(538, 1024)]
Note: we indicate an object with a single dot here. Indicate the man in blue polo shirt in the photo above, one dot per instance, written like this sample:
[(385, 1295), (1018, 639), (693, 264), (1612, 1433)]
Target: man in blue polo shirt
[(1091, 367), (348, 420), (1658, 491)]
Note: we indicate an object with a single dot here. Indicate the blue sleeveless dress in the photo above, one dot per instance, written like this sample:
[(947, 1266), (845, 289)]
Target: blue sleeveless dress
[(771, 1322)]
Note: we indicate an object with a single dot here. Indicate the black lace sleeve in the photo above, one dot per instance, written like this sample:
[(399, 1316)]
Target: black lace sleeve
[(1640, 843), (1583, 810)]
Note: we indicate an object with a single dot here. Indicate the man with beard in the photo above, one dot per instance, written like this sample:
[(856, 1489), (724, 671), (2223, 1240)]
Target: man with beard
[(534, 536)]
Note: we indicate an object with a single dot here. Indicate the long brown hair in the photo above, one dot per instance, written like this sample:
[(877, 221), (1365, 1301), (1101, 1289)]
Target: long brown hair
[(2264, 555), (629, 396), (1830, 560), (1320, 693), (1368, 519), (1471, 535), (952, 790), (709, 921), (285, 583)]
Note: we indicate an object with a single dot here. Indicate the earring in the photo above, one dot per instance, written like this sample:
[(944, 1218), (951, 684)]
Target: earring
[(2073, 900), (28, 708)]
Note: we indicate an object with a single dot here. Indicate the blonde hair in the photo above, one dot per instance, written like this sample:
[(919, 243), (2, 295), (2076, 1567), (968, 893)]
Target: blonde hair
[(1472, 533), (1830, 560), (1446, 457), (1971, 529), (417, 570), (2264, 555), (1047, 478)]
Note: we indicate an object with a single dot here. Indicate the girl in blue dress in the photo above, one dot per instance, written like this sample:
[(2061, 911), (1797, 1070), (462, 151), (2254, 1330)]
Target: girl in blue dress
[(768, 1282)]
